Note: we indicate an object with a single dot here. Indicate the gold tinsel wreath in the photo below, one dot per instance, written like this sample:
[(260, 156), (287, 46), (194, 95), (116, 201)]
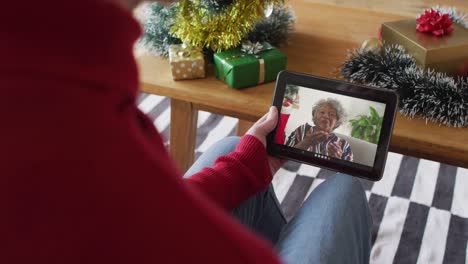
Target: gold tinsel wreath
[(198, 27)]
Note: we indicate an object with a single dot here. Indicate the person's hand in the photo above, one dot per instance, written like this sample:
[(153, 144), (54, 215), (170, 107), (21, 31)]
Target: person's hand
[(264, 125), (314, 138), (261, 129), (334, 150)]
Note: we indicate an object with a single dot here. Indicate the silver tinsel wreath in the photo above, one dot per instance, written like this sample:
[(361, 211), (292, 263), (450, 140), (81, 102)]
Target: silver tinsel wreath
[(432, 95)]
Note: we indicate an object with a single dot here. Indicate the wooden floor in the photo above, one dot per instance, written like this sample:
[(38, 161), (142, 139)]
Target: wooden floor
[(400, 7)]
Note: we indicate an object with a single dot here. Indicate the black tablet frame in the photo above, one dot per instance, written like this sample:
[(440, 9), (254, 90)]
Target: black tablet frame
[(386, 96)]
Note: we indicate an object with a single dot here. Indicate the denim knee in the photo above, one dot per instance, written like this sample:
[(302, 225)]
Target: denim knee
[(333, 226), (347, 183), (351, 193)]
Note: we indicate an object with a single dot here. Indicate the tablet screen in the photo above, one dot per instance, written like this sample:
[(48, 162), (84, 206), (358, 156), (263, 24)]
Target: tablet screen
[(330, 126)]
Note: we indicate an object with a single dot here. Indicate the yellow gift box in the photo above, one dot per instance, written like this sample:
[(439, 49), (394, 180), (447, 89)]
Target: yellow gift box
[(186, 63), (446, 53)]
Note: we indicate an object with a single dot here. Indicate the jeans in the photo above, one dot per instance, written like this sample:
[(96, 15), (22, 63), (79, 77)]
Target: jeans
[(333, 225)]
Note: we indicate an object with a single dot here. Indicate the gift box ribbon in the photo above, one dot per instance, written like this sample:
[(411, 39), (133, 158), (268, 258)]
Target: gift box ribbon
[(250, 49), (183, 51)]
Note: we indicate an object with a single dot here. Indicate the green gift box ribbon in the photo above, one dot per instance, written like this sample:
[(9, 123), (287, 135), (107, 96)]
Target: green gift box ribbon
[(249, 65)]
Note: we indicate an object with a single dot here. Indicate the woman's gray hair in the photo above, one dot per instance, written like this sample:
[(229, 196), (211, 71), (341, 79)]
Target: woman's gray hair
[(340, 111)]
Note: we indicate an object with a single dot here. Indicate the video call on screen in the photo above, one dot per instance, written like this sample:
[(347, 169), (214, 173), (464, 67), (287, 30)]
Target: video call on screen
[(330, 126)]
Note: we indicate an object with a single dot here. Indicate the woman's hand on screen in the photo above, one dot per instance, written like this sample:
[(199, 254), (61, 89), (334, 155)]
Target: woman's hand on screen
[(313, 138), (334, 150)]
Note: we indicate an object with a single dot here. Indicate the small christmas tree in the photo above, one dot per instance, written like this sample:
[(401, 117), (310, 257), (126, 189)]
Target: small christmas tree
[(217, 25)]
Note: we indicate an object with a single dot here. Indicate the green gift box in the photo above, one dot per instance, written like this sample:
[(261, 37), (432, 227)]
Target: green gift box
[(249, 65)]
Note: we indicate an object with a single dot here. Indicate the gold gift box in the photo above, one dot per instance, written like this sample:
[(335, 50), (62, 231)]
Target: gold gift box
[(445, 53), (186, 63)]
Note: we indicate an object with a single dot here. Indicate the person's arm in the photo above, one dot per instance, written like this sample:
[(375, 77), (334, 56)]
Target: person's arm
[(103, 189), (186, 223), (235, 177), (156, 216)]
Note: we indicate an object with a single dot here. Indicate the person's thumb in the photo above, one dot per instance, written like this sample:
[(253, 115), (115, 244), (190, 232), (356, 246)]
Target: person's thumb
[(264, 125), (270, 122)]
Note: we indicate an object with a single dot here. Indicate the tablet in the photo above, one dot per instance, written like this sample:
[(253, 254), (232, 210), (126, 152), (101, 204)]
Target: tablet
[(332, 124)]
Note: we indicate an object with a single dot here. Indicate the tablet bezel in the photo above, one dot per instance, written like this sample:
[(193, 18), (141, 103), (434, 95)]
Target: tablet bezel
[(386, 96)]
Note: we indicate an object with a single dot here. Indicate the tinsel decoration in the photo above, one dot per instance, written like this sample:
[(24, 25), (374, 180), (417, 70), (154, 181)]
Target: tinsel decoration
[(198, 27), (157, 24), (274, 29), (433, 95), (252, 47)]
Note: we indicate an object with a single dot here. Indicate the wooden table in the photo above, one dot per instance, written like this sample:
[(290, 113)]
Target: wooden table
[(318, 46)]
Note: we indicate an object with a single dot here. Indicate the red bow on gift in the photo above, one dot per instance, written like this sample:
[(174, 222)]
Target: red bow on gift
[(434, 22)]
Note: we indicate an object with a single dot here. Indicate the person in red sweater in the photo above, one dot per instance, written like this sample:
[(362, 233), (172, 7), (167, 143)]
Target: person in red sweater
[(85, 177)]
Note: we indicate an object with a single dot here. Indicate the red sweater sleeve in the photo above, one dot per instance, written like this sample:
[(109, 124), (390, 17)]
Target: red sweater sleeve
[(235, 177)]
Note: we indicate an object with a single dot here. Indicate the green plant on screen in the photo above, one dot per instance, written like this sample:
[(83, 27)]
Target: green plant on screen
[(367, 127)]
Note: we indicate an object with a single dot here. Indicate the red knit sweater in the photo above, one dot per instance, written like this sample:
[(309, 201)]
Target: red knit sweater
[(84, 176)]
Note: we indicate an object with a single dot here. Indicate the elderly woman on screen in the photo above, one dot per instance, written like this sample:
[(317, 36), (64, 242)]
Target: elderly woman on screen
[(327, 115)]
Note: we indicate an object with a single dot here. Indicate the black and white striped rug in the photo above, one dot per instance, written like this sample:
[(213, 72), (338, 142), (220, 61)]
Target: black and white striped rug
[(419, 208)]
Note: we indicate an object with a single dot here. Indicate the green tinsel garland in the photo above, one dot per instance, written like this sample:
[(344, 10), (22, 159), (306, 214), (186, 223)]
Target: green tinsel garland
[(274, 29), (433, 95), (157, 37)]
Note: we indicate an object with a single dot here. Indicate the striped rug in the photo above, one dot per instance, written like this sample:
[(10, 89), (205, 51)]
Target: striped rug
[(419, 208)]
